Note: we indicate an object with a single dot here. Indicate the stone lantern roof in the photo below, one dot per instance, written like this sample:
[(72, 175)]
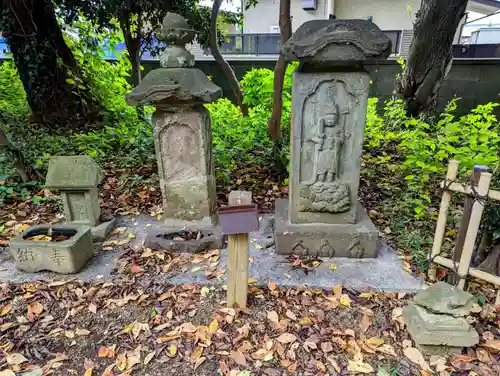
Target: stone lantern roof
[(327, 42), (79, 172), (177, 81)]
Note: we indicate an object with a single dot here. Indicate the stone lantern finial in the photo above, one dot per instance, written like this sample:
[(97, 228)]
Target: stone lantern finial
[(176, 33)]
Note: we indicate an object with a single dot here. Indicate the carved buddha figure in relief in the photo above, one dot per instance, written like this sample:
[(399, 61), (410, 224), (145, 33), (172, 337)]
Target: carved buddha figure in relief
[(329, 142)]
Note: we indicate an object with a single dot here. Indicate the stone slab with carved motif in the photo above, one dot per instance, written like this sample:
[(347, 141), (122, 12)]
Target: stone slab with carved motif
[(329, 100), (359, 240), (326, 146)]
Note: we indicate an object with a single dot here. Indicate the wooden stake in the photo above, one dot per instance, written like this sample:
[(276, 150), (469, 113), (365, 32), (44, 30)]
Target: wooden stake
[(237, 268), (441, 222), (474, 223)]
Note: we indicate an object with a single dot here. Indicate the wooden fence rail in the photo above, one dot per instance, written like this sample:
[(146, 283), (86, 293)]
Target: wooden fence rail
[(479, 194)]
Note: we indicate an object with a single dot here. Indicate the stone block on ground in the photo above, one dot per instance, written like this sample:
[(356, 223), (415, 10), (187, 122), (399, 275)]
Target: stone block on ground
[(355, 240), (432, 329), (82, 206), (101, 231), (446, 299), (65, 256), (181, 240)]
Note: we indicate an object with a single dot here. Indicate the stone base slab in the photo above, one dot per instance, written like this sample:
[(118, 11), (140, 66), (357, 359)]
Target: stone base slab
[(432, 329), (442, 351), (359, 240), (212, 239), (66, 257)]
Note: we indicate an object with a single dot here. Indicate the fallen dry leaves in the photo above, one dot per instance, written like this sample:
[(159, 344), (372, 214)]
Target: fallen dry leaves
[(149, 327), (134, 325)]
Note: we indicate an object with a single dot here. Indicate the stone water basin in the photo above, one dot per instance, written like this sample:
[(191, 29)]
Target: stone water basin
[(62, 249)]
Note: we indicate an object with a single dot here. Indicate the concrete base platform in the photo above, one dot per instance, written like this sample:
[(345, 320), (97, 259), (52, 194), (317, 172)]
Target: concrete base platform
[(384, 273), (359, 240)]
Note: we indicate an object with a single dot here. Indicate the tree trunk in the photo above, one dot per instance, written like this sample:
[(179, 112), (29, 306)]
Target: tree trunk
[(225, 67), (135, 60), (133, 44), (285, 22), (18, 159), (492, 262), (45, 63), (430, 55)]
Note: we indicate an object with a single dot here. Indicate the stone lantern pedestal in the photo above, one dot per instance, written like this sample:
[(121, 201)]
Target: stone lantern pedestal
[(183, 141), (329, 99)]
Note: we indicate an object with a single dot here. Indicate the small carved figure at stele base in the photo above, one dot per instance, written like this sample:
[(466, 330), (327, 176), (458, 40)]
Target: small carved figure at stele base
[(329, 140)]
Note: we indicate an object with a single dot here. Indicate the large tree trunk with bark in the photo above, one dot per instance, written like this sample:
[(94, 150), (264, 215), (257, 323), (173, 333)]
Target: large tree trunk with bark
[(17, 158), (133, 44), (285, 24), (430, 55), (45, 63), (224, 65)]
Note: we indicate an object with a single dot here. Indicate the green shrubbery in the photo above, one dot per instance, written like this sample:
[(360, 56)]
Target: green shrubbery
[(408, 157), (122, 138), (417, 152), (241, 141), (127, 141)]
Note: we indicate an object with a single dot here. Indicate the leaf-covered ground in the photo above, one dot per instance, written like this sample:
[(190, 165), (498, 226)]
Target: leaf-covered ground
[(133, 325)]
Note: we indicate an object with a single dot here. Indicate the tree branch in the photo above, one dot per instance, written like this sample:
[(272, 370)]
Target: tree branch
[(225, 67), (285, 24)]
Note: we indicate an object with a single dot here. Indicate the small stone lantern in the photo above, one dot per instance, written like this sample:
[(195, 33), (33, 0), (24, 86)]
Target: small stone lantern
[(77, 178), (181, 129)]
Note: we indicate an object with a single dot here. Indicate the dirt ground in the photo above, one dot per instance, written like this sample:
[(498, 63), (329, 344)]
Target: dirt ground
[(134, 326)]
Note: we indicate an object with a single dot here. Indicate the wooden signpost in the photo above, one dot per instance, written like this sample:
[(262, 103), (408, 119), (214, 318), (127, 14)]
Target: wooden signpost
[(237, 220)]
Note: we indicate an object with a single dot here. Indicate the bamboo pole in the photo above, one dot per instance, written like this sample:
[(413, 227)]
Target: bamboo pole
[(464, 223), (460, 188), (237, 270), (441, 221), (473, 272), (474, 223)]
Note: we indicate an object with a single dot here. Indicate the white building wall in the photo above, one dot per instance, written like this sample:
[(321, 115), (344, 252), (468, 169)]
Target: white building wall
[(264, 17), (387, 14), (299, 15)]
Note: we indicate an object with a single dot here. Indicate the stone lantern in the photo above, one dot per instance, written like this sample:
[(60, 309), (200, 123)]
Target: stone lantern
[(181, 129)]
